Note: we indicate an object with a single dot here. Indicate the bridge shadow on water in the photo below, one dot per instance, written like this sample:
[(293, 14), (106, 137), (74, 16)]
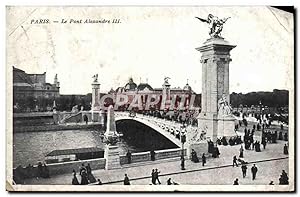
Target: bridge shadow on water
[(140, 138)]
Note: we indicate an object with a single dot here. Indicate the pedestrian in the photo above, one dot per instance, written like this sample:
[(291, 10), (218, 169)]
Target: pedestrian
[(194, 156), (169, 182), (236, 181), (90, 176), (128, 155), (74, 180), (284, 179), (39, 170), (85, 119), (153, 177), (254, 171), (203, 159), (99, 182), (285, 150), (264, 143), (241, 152), (244, 170), (156, 176), (286, 137), (182, 162), (234, 161), (126, 180), (84, 178), (152, 155), (45, 171), (81, 169)]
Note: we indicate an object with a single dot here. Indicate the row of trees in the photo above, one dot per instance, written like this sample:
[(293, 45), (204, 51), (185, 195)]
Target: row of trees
[(63, 103), (275, 99)]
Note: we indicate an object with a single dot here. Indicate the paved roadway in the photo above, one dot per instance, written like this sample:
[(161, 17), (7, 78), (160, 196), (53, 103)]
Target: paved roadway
[(217, 170)]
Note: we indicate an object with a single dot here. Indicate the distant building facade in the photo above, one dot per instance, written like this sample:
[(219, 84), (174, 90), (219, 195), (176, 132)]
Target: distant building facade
[(144, 90), (33, 85)]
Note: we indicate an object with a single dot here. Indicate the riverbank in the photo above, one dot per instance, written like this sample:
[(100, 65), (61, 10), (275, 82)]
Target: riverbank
[(58, 127)]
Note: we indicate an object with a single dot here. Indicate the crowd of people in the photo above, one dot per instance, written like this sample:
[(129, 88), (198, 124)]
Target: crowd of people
[(184, 117), (235, 140), (86, 175), (195, 158), (213, 149), (41, 170), (283, 179)]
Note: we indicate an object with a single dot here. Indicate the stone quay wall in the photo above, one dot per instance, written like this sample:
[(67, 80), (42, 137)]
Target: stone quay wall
[(60, 168), (145, 156), (67, 167), (41, 128)]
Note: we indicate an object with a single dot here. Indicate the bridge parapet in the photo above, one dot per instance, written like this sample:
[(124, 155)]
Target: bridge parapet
[(169, 129), (172, 128)]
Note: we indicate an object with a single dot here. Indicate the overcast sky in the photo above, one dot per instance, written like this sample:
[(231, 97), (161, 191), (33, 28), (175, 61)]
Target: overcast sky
[(150, 43)]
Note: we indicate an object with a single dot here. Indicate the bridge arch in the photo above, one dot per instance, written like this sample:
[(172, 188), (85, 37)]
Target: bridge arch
[(152, 125)]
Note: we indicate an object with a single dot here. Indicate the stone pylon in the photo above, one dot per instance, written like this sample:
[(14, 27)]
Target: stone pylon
[(95, 96), (95, 108), (112, 154), (111, 124), (215, 118)]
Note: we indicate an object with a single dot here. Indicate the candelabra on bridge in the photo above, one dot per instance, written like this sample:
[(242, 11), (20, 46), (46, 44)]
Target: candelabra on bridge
[(183, 140)]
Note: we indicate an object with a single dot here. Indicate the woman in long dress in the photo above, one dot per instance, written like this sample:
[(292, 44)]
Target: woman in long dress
[(74, 180), (241, 152)]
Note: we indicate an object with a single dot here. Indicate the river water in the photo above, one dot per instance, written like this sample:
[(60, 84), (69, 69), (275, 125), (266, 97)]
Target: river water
[(32, 147)]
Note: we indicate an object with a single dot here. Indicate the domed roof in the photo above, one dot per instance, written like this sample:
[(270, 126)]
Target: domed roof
[(144, 86), (130, 85), (187, 87)]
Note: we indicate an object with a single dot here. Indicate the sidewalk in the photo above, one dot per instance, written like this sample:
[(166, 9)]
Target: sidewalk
[(172, 167)]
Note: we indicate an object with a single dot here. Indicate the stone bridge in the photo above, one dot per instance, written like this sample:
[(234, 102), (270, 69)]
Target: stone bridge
[(170, 129)]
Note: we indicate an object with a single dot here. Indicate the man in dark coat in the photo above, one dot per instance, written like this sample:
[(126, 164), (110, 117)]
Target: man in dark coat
[(156, 176), (286, 137), (85, 119), (254, 171), (40, 169), (128, 155), (285, 150), (203, 159), (244, 170), (152, 154), (153, 179), (264, 143), (126, 180), (241, 152), (236, 182), (234, 161)]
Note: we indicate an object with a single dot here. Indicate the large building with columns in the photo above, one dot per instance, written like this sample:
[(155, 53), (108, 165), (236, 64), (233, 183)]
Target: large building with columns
[(145, 90)]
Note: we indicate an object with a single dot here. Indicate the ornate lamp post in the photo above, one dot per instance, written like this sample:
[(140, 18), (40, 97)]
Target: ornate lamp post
[(183, 140)]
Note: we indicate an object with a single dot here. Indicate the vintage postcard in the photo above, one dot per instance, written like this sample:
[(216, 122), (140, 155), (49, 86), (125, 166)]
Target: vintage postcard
[(150, 98)]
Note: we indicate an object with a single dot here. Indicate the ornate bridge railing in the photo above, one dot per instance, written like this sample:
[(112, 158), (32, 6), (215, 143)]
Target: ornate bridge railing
[(172, 128)]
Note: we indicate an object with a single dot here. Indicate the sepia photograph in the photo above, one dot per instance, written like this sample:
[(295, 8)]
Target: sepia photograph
[(150, 98)]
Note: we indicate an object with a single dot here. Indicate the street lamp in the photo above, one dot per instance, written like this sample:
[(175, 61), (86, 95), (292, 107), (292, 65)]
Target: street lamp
[(183, 140)]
